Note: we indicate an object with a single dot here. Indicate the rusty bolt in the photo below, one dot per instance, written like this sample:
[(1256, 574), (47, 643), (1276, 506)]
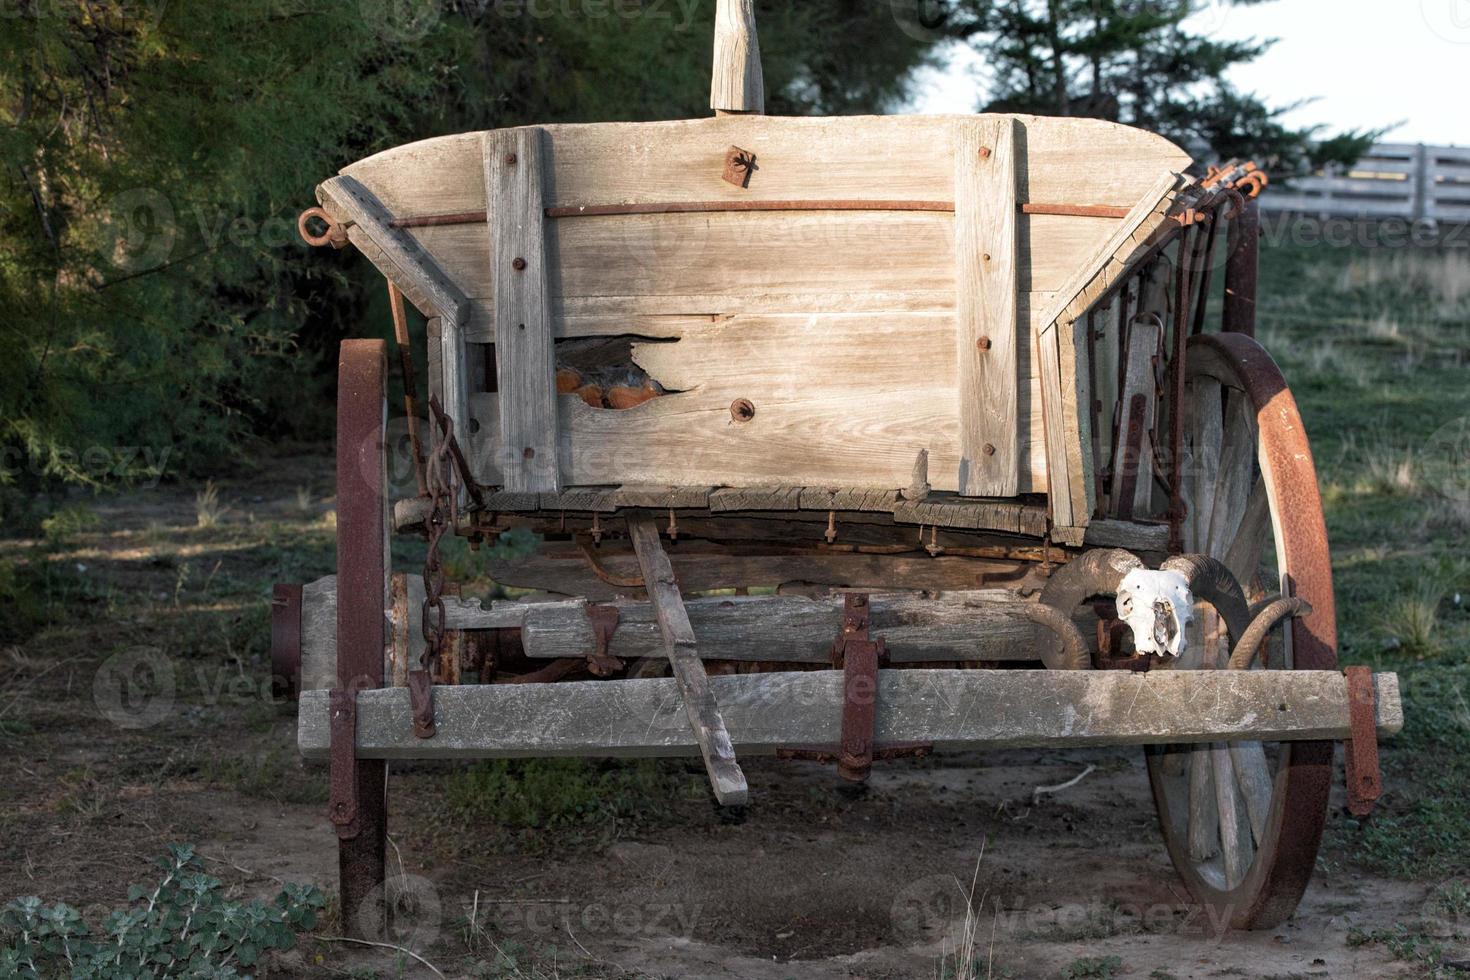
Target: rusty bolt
[(985, 153), (988, 449), (510, 159), (528, 452), (983, 343), (741, 410), (518, 264), (986, 256)]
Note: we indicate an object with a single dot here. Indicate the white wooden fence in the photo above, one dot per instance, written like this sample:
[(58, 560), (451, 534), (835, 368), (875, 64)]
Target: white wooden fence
[(1395, 180)]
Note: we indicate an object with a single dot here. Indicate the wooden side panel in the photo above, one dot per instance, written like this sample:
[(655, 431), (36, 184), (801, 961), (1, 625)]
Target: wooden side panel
[(986, 333), (525, 359), (841, 400)]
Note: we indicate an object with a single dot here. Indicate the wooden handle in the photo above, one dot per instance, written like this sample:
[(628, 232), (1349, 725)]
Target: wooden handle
[(736, 85)]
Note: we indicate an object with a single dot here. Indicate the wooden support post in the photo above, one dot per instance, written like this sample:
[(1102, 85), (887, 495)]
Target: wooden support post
[(736, 84), (986, 282), (725, 776), (525, 355)]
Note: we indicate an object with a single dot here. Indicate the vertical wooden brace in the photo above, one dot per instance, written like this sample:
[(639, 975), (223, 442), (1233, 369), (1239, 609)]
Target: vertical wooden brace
[(736, 83), (986, 283), (525, 353)]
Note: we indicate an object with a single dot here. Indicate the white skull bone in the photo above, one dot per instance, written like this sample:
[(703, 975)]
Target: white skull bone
[(1157, 606)]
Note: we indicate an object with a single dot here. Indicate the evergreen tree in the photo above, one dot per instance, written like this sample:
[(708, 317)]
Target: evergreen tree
[(1135, 62)]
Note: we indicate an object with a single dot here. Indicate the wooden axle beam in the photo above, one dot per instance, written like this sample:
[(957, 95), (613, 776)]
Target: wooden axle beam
[(953, 709)]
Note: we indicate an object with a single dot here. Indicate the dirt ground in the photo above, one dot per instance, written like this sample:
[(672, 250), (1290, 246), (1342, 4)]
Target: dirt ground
[(813, 883)]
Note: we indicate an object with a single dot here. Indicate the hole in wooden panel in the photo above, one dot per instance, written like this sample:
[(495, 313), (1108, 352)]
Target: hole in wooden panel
[(602, 372)]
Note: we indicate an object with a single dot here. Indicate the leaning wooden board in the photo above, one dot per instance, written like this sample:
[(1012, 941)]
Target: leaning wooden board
[(841, 326)]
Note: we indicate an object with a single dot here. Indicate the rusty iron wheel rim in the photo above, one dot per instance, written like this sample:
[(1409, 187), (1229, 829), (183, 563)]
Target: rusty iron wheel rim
[(1283, 859)]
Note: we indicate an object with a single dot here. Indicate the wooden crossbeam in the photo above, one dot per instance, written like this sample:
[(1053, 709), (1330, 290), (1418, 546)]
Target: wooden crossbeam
[(700, 706), (954, 709)]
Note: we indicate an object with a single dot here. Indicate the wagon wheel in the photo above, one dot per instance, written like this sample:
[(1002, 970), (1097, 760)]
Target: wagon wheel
[(1243, 821)]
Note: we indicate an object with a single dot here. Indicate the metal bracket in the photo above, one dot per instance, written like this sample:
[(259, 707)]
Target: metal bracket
[(604, 620), (342, 808), (739, 165), (859, 655), (1364, 779)]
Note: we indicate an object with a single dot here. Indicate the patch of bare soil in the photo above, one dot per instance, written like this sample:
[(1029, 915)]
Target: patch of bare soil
[(812, 883)]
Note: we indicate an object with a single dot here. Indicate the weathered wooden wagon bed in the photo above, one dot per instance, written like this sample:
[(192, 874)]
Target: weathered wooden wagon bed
[(846, 438)]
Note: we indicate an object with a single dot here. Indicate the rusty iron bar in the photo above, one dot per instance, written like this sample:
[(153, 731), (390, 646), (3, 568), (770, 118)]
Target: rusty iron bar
[(1364, 778), (1242, 270), (690, 207), (1176, 388), (410, 392), (359, 786)]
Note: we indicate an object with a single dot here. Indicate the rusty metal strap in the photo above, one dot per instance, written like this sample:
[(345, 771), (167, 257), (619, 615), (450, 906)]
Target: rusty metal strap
[(342, 805), (1364, 779), (421, 700), (604, 620)]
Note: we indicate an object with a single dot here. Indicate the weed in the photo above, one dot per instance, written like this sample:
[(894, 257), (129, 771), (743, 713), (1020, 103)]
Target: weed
[(1103, 967), (1411, 622), (536, 794), (208, 510), (181, 926)]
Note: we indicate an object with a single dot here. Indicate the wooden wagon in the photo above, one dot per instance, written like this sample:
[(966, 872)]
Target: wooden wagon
[(845, 438)]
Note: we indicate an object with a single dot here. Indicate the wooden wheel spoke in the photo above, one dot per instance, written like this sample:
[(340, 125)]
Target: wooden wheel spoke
[(1253, 775), (1206, 433), (1233, 479), (1204, 813), (1243, 557), (1235, 847)]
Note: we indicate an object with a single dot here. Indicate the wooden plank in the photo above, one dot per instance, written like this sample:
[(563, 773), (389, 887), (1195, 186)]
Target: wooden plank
[(701, 708), (525, 359), (411, 267), (764, 261), (1143, 341), (1126, 534), (416, 272), (954, 709), (1114, 258), (986, 283), (982, 624), (1077, 396), (755, 498), (736, 84), (702, 572), (1053, 398), (800, 158)]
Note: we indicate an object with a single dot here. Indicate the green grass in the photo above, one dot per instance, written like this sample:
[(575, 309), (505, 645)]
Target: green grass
[(1374, 343)]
